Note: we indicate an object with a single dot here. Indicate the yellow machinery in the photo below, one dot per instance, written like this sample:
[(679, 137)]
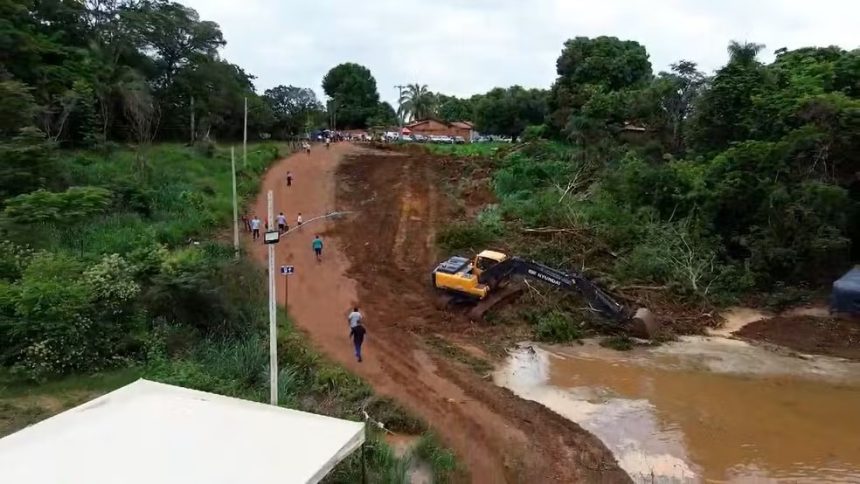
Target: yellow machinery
[(484, 282), (461, 275)]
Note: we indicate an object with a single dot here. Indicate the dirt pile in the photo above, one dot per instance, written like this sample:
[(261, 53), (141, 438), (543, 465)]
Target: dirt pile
[(808, 334)]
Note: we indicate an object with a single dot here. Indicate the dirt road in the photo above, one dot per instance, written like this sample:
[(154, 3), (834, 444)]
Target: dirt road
[(378, 259)]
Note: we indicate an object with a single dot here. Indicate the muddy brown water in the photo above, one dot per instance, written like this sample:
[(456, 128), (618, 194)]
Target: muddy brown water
[(703, 409)]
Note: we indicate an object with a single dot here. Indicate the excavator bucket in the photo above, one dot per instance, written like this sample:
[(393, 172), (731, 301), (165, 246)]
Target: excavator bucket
[(643, 324)]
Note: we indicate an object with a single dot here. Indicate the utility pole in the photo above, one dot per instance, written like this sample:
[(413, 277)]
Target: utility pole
[(273, 308), (245, 138), (400, 88), (193, 133), (235, 203)]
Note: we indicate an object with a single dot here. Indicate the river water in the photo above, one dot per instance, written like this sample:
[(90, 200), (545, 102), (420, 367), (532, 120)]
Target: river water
[(703, 409)]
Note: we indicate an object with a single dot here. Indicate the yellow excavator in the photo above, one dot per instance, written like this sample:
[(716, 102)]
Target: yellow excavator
[(484, 282)]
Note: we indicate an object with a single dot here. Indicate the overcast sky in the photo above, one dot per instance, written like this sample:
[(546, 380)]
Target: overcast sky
[(470, 46)]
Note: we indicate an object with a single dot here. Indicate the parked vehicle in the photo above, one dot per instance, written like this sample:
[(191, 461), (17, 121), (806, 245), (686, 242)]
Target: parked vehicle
[(459, 140)]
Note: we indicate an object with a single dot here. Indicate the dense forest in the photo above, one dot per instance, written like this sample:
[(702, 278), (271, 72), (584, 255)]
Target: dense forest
[(717, 186)]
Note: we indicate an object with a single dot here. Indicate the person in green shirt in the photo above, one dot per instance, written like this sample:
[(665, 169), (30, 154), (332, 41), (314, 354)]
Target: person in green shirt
[(317, 245)]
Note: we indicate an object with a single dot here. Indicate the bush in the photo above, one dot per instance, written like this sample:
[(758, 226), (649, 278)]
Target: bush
[(556, 327), (465, 237), (534, 132), (76, 203)]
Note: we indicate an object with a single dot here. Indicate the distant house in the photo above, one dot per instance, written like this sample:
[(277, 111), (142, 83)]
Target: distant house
[(428, 127)]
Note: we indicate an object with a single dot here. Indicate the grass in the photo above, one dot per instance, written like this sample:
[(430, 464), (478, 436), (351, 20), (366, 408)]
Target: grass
[(24, 403), (466, 150), (453, 352), (442, 462)]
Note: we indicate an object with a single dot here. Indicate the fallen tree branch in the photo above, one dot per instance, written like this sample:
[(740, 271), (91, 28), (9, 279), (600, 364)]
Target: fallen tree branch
[(549, 230), (644, 288)]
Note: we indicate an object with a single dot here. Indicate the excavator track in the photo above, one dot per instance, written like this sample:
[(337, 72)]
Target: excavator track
[(495, 298)]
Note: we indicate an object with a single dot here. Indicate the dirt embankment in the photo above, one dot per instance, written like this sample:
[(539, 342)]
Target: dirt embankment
[(808, 334), (380, 258), (401, 200)]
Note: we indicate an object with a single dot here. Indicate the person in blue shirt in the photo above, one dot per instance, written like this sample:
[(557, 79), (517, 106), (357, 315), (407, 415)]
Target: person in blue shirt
[(317, 245)]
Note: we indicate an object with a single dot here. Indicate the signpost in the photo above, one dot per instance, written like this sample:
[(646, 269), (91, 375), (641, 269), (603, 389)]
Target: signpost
[(287, 271)]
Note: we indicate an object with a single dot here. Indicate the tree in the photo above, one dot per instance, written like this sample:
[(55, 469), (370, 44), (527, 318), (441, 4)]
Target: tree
[(354, 98), (676, 93), (587, 66), (174, 33), (385, 116), (723, 113), (450, 108), (142, 113), (509, 111), (417, 102), (296, 109)]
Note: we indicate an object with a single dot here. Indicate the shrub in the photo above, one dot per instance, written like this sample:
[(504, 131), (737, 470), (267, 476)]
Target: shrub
[(13, 260), (556, 327), (465, 236), (534, 132), (76, 203)]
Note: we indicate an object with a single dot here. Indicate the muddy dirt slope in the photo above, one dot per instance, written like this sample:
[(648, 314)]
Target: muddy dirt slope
[(378, 258)]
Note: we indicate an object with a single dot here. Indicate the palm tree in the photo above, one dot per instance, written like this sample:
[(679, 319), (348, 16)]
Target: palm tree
[(744, 52), (417, 102)]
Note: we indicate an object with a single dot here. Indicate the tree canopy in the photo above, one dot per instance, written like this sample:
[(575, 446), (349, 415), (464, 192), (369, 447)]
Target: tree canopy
[(354, 98)]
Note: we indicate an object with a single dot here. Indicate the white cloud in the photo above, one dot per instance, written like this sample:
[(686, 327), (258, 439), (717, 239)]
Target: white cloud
[(467, 47)]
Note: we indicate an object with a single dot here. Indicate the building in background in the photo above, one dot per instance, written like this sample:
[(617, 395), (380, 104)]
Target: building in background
[(435, 127)]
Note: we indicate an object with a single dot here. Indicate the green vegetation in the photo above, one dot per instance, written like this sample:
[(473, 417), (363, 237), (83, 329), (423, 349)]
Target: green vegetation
[(707, 189), (354, 98)]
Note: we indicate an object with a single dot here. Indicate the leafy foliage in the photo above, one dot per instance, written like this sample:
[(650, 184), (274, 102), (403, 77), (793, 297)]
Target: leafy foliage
[(354, 98)]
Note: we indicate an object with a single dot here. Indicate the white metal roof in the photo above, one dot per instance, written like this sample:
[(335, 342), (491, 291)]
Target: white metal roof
[(149, 432)]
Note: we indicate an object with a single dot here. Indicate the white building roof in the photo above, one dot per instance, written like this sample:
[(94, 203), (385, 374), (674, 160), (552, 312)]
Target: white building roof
[(149, 433)]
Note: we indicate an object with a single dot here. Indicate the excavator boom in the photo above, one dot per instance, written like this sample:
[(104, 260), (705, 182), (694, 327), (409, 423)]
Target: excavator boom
[(643, 323)]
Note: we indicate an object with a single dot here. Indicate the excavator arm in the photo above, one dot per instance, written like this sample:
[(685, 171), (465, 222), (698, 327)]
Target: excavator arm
[(599, 300)]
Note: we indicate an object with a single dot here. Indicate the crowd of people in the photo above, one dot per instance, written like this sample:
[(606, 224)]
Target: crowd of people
[(253, 225)]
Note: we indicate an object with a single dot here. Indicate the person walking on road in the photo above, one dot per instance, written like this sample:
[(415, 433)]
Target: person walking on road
[(255, 227), (289, 178), (299, 220), (327, 142), (282, 223), (317, 245), (307, 147), (354, 318), (357, 333)]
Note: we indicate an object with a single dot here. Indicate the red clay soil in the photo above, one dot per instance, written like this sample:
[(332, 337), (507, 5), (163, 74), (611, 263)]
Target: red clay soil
[(379, 258), (806, 334)]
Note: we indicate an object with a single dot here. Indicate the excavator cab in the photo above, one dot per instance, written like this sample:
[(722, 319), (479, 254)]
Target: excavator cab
[(487, 259)]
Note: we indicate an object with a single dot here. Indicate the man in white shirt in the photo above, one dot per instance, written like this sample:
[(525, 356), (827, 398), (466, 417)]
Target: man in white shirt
[(282, 223), (255, 227), (354, 318)]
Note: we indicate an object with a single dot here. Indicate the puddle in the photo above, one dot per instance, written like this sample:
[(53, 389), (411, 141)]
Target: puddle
[(736, 318), (703, 409)]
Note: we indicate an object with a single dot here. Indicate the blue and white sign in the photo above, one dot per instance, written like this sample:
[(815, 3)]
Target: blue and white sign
[(287, 270)]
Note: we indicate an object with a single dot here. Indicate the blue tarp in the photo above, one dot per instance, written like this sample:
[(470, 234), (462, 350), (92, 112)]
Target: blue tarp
[(846, 293)]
